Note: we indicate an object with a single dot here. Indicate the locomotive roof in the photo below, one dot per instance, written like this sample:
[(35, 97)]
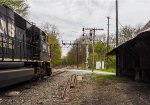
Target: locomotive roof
[(15, 13)]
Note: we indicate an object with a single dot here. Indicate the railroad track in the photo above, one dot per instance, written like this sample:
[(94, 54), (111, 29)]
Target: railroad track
[(28, 84), (62, 91), (57, 73)]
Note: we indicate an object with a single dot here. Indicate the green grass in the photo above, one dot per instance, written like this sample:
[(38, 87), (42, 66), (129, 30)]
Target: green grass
[(99, 78), (107, 77), (112, 70)]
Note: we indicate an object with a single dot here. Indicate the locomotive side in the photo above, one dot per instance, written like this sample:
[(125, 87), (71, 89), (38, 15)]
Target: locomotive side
[(24, 49)]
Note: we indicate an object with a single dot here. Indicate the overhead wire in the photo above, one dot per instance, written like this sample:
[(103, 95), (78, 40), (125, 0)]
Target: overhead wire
[(121, 24), (88, 7), (110, 9)]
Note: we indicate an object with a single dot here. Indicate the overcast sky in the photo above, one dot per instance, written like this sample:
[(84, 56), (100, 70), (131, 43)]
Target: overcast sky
[(70, 16)]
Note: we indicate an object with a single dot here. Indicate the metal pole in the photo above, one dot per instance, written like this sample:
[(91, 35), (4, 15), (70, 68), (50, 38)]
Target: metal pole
[(77, 56), (93, 38), (87, 56)]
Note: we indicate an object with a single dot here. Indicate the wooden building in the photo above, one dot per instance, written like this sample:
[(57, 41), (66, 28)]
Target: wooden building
[(133, 57)]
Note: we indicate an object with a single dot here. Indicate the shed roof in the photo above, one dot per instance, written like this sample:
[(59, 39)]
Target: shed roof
[(145, 29), (147, 26)]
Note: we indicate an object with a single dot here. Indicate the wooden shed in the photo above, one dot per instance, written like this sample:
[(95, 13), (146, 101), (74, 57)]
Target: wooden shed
[(133, 57)]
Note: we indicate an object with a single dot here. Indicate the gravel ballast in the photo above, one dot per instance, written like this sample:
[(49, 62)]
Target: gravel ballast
[(88, 91)]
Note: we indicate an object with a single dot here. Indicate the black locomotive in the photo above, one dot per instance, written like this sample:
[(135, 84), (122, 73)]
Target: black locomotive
[(24, 49)]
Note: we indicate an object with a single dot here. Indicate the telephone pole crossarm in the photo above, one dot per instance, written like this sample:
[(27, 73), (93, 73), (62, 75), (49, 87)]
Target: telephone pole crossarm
[(92, 29)]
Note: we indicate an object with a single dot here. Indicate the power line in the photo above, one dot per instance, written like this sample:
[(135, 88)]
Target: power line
[(121, 25), (110, 9)]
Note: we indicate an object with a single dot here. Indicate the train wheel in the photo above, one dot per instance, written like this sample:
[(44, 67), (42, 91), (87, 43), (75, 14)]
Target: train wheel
[(43, 73), (36, 74)]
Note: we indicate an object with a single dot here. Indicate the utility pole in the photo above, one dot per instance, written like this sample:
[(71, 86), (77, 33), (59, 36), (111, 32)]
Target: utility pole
[(108, 34), (92, 34), (77, 55), (93, 49), (107, 40), (116, 23), (117, 71), (86, 42), (87, 56)]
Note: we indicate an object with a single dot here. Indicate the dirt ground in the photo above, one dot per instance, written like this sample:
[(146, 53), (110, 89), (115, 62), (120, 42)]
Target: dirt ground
[(112, 92)]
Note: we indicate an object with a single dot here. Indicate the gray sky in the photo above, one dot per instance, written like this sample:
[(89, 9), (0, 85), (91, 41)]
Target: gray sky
[(70, 16)]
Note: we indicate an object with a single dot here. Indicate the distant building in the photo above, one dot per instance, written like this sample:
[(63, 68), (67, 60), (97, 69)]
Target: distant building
[(100, 65), (133, 57)]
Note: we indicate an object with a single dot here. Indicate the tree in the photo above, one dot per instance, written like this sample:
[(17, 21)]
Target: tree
[(52, 32), (55, 50), (99, 54), (51, 29), (96, 56), (20, 6), (101, 50), (71, 58), (127, 32)]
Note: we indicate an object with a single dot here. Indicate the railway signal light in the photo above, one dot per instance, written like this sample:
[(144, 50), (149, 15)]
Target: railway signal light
[(83, 29), (90, 33)]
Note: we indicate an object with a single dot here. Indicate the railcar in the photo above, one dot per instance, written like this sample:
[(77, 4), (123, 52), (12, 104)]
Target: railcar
[(24, 49)]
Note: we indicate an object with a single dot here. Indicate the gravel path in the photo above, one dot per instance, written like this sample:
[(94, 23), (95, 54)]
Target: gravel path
[(43, 92)]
